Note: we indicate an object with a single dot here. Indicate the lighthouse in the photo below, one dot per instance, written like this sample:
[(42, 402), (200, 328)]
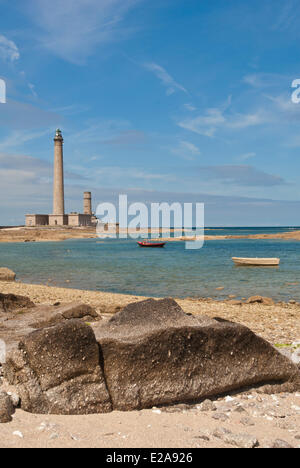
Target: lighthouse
[(58, 217)]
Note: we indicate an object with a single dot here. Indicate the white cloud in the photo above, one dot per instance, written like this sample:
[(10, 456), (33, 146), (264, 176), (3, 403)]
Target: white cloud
[(206, 124), (285, 104), (190, 107), (267, 80), (32, 89), (214, 119), (8, 50), (166, 79), (72, 29), (288, 16), (18, 138), (248, 120), (186, 150)]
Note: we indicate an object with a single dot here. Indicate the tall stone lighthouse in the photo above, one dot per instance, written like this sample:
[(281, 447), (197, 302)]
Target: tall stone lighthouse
[(58, 217)]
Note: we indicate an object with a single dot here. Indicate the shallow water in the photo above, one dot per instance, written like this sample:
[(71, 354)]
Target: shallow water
[(121, 266)]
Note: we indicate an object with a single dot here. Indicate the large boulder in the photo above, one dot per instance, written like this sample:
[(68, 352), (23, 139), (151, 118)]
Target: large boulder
[(57, 371), (11, 302), (154, 354), (7, 275)]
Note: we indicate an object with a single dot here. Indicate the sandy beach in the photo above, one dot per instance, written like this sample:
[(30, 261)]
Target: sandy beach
[(268, 419), (278, 323), (22, 234)]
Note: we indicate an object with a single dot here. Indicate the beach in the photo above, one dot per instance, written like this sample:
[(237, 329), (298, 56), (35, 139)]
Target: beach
[(23, 234), (269, 419), (238, 420), (278, 323)]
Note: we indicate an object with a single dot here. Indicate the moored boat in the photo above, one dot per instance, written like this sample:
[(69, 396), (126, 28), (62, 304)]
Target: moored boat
[(256, 261), (151, 244)]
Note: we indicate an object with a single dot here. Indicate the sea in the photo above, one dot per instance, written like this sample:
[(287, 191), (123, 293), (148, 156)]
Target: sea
[(120, 266)]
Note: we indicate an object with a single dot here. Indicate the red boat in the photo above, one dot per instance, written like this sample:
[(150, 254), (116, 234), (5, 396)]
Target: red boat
[(151, 244)]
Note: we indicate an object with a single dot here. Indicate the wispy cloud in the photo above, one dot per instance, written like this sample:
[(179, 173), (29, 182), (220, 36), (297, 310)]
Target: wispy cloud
[(288, 17), (240, 121), (18, 138), (205, 124), (167, 80), (283, 103), (186, 150), (215, 119), (72, 29), (267, 80), (241, 175), (190, 107), (8, 50), (106, 132)]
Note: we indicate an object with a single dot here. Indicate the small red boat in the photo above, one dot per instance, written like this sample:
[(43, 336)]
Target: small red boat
[(151, 244)]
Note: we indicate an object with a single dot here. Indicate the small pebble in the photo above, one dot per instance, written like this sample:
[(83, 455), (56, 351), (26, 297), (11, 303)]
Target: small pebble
[(281, 444), (220, 417)]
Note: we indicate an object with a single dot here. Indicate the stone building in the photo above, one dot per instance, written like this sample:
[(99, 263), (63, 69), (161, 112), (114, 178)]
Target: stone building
[(37, 220), (58, 216)]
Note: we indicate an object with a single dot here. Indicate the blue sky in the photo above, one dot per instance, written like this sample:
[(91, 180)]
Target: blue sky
[(173, 100)]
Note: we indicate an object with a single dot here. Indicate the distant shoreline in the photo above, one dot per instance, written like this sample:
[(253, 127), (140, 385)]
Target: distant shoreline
[(23, 234)]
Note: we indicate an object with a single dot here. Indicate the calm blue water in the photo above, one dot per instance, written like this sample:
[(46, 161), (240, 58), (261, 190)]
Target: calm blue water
[(121, 266)]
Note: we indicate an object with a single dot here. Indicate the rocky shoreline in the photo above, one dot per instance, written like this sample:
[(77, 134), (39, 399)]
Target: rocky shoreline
[(48, 371), (276, 322)]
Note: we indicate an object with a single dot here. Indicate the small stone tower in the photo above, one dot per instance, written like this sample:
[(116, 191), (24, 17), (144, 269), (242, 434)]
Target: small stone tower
[(58, 185), (87, 203)]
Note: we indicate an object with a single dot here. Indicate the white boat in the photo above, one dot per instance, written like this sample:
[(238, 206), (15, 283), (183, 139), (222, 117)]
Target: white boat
[(256, 261)]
